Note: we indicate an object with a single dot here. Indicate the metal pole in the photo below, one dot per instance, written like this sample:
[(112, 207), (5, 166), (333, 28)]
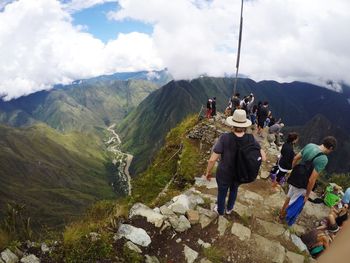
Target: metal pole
[(239, 49)]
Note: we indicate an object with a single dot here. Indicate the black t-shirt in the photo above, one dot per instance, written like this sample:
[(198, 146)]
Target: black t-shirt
[(226, 146), (287, 157), (263, 113)]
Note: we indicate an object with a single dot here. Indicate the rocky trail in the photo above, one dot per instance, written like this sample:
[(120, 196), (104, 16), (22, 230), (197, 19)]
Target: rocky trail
[(186, 229)]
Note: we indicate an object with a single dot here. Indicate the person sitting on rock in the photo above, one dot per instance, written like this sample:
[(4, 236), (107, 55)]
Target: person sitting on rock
[(316, 241), (337, 216), (225, 149), (284, 163), (303, 179), (274, 133)]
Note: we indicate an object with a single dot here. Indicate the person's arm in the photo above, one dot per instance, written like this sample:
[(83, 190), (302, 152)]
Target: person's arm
[(296, 159), (211, 162), (311, 184)]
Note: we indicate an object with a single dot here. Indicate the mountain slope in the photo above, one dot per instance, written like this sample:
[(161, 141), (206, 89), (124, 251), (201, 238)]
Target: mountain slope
[(57, 176), (296, 103)]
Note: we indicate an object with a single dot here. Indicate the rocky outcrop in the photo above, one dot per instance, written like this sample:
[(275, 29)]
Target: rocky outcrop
[(134, 234)]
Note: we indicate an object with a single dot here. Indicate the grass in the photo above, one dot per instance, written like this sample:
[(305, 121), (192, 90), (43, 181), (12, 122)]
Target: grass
[(214, 254)]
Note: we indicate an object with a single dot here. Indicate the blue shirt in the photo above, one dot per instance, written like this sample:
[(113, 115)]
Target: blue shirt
[(346, 197)]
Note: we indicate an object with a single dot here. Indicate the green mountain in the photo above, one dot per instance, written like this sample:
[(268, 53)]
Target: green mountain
[(57, 176), (144, 129), (89, 105)]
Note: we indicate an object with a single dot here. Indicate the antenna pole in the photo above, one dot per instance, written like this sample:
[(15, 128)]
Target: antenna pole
[(239, 49)]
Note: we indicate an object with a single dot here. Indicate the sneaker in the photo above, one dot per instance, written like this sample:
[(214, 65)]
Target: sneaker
[(215, 209), (228, 212), (333, 228)]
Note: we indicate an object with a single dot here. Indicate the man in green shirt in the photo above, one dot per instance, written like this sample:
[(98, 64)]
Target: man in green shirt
[(309, 152)]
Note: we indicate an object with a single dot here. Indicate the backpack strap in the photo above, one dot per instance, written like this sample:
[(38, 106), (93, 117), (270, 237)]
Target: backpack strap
[(317, 155)]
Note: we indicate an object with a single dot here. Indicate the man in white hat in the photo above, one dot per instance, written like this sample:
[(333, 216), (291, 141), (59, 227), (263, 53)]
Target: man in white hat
[(225, 149)]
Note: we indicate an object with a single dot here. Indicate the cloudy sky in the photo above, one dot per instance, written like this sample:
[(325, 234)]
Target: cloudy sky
[(45, 42)]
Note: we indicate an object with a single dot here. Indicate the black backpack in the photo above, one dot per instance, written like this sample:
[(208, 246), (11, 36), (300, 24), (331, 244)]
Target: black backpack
[(247, 161), (299, 177)]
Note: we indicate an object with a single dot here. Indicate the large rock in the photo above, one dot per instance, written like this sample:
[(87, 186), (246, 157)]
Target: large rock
[(222, 225), (272, 250), (203, 182), (166, 211), (153, 217), (192, 216), (30, 259), (8, 256), (180, 224), (136, 235), (181, 204), (242, 210), (298, 243), (317, 211), (205, 221), (209, 213), (190, 254), (276, 200), (269, 229), (242, 232), (294, 257), (249, 197)]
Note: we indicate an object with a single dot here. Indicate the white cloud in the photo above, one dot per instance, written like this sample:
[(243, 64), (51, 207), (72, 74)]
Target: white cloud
[(76, 5), (285, 40), (305, 40), (39, 47)]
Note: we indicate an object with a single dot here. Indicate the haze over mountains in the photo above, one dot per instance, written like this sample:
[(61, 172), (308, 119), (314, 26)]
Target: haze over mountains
[(52, 145)]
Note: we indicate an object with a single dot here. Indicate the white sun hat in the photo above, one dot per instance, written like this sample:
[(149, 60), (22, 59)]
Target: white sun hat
[(239, 119)]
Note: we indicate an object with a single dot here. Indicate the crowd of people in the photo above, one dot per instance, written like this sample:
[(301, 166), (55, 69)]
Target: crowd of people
[(300, 170)]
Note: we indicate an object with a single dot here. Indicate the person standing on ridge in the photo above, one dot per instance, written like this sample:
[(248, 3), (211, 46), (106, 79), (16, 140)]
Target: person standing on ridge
[(213, 107), (262, 116), (236, 101), (313, 160), (226, 149), (209, 109), (284, 163)]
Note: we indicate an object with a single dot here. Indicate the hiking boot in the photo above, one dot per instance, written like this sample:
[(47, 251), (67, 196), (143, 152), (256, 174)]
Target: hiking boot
[(333, 228)]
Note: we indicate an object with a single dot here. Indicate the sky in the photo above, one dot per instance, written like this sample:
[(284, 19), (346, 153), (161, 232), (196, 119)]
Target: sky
[(46, 42)]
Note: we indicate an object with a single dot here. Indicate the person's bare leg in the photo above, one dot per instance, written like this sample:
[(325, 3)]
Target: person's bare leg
[(284, 208)]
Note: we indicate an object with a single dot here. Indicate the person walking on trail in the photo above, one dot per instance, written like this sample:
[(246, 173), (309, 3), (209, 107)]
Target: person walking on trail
[(284, 163), (236, 101), (213, 107), (313, 160), (274, 133), (226, 149), (263, 112), (209, 109)]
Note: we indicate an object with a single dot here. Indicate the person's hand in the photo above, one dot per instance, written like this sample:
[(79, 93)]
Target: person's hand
[(208, 177), (305, 199)]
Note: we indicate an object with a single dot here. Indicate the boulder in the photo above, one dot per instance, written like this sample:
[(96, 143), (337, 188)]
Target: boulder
[(272, 250), (190, 254), (30, 259), (276, 200), (8, 256), (133, 247), (242, 232), (222, 225), (203, 182), (242, 210), (192, 216), (269, 229), (153, 217), (209, 213), (294, 257), (180, 224), (166, 211), (205, 221), (298, 242), (136, 235), (249, 197)]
